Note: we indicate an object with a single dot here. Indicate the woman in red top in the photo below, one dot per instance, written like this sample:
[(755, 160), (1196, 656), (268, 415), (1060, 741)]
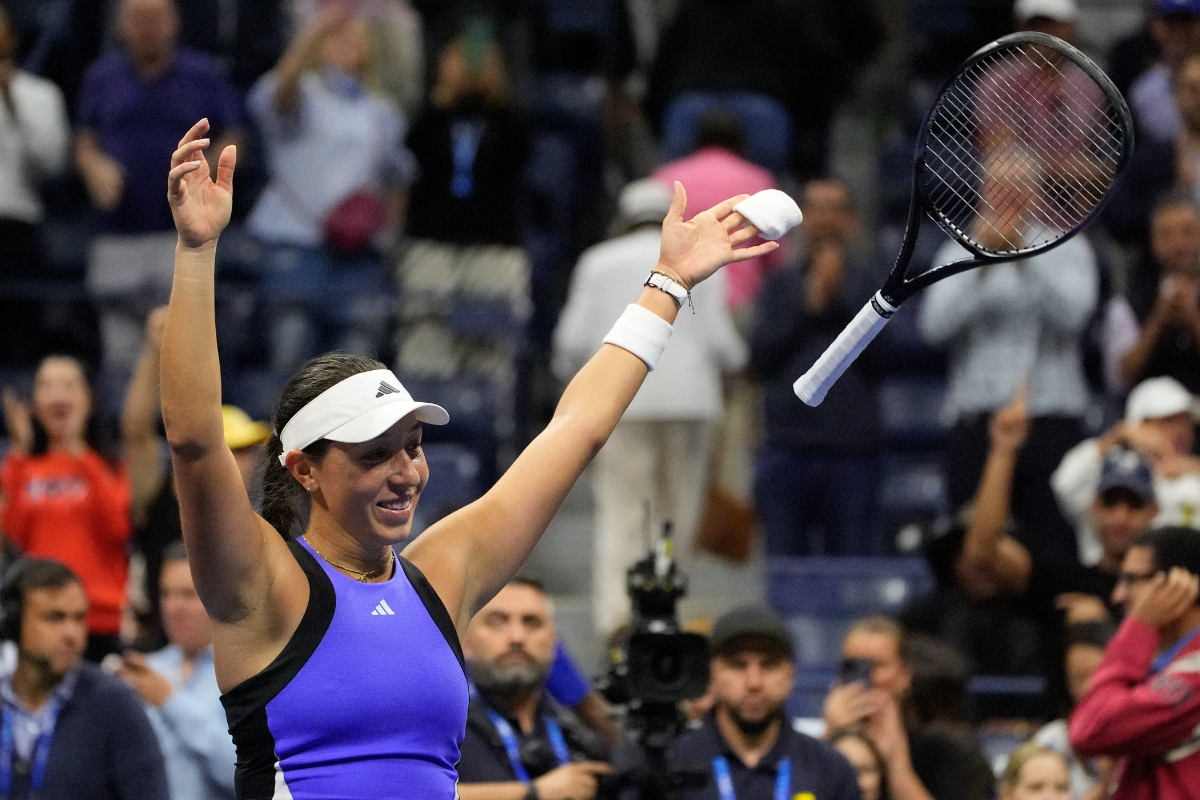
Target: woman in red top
[(62, 499)]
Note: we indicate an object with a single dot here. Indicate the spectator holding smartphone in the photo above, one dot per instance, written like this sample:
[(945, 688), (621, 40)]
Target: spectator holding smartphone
[(1143, 702), (918, 765)]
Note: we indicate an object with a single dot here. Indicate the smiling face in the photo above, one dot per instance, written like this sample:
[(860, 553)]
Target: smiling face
[(370, 488), (62, 400)]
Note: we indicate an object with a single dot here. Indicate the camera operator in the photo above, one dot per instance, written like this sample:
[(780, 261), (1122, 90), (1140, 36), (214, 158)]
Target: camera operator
[(746, 744), (520, 744)]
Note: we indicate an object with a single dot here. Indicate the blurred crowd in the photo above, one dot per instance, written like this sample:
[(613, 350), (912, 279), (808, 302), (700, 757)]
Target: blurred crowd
[(471, 190)]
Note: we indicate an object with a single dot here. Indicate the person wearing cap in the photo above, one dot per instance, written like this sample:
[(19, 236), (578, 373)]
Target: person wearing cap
[(1159, 421), (1053, 17), (660, 452), (746, 743), (339, 660), (1175, 25)]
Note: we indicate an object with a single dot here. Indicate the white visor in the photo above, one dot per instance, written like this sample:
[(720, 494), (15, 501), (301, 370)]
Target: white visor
[(357, 409)]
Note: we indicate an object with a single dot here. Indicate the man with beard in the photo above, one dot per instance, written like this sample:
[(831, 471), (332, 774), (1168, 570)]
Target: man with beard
[(746, 743), (520, 743)]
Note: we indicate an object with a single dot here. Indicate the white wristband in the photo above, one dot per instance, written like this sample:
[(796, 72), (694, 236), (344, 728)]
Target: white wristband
[(641, 332)]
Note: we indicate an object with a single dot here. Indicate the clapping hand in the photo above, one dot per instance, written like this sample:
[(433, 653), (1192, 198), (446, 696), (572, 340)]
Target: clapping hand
[(200, 205), (18, 423), (691, 251)]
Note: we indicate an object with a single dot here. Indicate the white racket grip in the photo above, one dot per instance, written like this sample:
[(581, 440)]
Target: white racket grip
[(812, 385)]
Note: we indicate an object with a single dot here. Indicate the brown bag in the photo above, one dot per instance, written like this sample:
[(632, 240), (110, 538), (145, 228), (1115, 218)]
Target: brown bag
[(726, 526)]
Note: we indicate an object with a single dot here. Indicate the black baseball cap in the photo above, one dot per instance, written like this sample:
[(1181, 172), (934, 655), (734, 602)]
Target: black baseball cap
[(1127, 469), (751, 621)]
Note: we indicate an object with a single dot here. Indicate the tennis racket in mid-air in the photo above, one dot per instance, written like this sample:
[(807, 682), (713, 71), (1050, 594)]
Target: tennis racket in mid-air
[(1019, 153)]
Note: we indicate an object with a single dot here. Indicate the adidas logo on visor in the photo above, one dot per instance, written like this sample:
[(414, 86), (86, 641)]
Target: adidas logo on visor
[(383, 609), (385, 388)]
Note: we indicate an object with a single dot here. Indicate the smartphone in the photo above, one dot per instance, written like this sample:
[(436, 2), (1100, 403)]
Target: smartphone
[(856, 670)]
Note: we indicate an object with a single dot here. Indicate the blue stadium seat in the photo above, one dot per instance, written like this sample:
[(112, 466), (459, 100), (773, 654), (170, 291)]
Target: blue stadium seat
[(910, 412), (808, 695), (254, 391), (844, 586), (912, 486), (471, 403), (767, 124), (456, 478)]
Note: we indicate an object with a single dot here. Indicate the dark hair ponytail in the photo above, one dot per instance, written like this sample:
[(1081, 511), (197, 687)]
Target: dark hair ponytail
[(285, 503)]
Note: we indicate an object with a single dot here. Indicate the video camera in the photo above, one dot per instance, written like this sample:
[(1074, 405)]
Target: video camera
[(654, 667)]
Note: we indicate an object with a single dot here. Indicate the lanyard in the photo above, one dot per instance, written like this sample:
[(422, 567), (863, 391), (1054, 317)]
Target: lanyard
[(41, 750), (553, 733), (1160, 663), (783, 778)]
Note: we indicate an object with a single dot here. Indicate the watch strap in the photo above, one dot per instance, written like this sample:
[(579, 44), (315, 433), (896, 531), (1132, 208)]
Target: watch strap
[(665, 283)]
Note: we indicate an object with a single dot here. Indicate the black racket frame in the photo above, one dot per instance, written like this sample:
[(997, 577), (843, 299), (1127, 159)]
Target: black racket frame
[(898, 288)]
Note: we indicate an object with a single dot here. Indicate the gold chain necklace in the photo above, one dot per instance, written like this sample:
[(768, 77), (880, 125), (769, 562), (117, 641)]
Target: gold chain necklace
[(360, 575)]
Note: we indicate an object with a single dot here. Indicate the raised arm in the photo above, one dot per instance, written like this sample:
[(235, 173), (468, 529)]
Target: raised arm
[(471, 554), (234, 553), (139, 423), (987, 547)]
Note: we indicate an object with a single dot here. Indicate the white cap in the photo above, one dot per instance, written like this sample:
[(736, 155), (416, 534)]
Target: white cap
[(646, 200), (1060, 10), (357, 409), (1154, 398)]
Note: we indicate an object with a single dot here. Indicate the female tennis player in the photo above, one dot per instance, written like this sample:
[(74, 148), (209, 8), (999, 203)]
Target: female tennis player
[(340, 661)]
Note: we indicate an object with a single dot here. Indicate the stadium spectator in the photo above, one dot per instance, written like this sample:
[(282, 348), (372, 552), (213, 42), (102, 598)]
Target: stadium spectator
[(661, 449), (1012, 324), (132, 104), (472, 145), (323, 282), (1035, 772), (1090, 777), (1157, 330), (1176, 27), (745, 744), (1143, 702), (815, 475), (1133, 54), (520, 742), (716, 168), (63, 498), (397, 32), (1158, 424), (1054, 17), (919, 764), (178, 684), (995, 563), (867, 761), (72, 730), (34, 135)]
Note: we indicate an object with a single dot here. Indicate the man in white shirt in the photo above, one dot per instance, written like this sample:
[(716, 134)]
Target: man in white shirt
[(179, 687), (659, 453), (34, 134)]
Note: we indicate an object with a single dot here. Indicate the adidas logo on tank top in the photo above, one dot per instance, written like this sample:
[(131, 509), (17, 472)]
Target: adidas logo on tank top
[(383, 610)]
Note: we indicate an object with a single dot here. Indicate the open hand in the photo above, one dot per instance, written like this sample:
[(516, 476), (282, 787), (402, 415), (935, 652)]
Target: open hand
[(18, 423), (693, 250), (200, 205)]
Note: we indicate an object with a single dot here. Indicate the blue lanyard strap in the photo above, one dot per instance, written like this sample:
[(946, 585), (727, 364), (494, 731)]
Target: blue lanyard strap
[(553, 732), (41, 750), (1160, 663), (783, 778)]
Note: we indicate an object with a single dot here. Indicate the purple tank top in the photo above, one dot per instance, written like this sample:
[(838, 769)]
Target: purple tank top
[(368, 699)]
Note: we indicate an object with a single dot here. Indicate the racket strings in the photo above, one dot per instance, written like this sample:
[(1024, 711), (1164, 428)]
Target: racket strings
[(1021, 149)]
